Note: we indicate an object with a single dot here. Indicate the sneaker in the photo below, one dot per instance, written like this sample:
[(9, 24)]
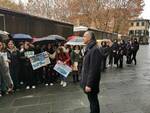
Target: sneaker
[(33, 87), (108, 65), (114, 65), (64, 84), (51, 84), (21, 83), (0, 95), (10, 90), (46, 84), (27, 87)]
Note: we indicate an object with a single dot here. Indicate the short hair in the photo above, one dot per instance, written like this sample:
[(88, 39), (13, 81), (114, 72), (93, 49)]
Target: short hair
[(92, 35)]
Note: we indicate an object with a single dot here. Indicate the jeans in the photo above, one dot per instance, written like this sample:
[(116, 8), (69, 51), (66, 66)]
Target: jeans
[(63, 78)]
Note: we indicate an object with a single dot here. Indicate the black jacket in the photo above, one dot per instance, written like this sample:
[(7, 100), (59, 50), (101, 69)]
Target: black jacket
[(91, 67), (135, 46)]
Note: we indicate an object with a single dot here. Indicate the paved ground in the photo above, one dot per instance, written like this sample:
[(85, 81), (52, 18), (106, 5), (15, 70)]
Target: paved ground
[(122, 91)]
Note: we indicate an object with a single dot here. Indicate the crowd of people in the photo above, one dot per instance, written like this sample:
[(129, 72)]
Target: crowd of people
[(116, 51), (16, 70)]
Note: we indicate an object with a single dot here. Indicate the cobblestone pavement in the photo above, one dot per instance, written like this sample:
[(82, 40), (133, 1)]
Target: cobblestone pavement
[(124, 90)]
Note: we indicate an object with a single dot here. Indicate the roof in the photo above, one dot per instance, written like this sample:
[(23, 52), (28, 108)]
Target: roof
[(140, 19), (85, 28), (26, 14)]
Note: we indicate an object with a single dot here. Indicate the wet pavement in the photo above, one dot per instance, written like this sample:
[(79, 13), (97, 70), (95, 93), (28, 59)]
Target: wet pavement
[(124, 90)]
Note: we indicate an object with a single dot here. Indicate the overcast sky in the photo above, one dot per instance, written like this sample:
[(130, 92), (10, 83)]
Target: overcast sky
[(145, 14)]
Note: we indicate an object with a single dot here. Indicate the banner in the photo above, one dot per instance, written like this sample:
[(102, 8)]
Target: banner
[(62, 69), (39, 60)]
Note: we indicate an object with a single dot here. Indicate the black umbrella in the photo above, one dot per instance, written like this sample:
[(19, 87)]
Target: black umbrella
[(44, 40), (21, 37), (57, 37)]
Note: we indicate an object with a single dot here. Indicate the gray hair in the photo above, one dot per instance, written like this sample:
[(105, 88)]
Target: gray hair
[(91, 34)]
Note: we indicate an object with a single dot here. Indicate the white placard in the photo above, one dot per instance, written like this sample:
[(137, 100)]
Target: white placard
[(39, 60), (62, 69)]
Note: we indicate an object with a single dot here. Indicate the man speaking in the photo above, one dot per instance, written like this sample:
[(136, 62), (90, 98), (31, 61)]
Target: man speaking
[(91, 70)]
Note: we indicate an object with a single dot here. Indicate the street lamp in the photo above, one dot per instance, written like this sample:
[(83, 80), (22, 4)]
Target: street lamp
[(4, 22)]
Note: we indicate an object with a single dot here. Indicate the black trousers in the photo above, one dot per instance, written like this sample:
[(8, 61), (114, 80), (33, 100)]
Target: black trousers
[(29, 76), (111, 59), (75, 76), (129, 60), (94, 103), (14, 73), (134, 57), (120, 61), (104, 63)]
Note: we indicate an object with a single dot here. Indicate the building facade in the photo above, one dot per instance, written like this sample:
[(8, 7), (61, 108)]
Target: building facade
[(139, 28)]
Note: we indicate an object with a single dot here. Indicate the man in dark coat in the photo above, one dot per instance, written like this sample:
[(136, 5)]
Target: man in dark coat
[(115, 51), (91, 70), (135, 48)]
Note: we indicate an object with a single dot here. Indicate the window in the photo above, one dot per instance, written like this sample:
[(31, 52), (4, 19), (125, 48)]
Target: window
[(147, 33), (142, 33), (137, 24), (131, 32), (143, 23), (132, 24), (139, 32), (136, 32)]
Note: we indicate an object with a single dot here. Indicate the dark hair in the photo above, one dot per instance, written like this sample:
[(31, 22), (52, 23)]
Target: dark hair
[(9, 41), (135, 39), (61, 50), (1, 40), (103, 43), (74, 47)]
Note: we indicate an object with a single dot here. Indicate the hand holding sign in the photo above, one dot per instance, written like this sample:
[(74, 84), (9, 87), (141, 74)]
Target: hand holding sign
[(62, 69)]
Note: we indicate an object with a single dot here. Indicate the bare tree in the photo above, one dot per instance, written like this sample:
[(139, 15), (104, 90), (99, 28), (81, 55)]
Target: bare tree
[(107, 15), (12, 5)]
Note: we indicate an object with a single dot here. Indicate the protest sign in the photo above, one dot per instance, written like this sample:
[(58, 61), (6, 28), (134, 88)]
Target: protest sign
[(29, 54), (39, 60), (62, 69)]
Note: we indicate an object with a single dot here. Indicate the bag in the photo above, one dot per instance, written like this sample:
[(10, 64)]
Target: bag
[(75, 66)]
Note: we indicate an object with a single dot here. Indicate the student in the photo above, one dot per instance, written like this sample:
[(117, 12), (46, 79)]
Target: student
[(28, 71), (64, 57), (13, 56), (75, 62)]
